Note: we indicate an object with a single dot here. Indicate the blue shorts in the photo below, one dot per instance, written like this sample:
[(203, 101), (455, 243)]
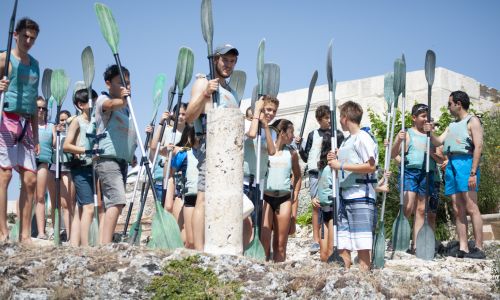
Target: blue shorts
[(456, 178), (415, 181), (82, 178), (313, 184)]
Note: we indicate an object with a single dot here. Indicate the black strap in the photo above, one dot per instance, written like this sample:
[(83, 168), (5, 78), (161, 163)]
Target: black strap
[(23, 132)]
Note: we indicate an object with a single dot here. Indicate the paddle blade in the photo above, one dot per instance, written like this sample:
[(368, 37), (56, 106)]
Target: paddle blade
[(79, 85), (401, 233), (329, 66), (389, 88), (94, 230), (165, 232), (51, 103), (312, 84), (271, 79), (171, 94), (88, 66), (255, 249), (184, 72), (260, 67), (158, 92), (108, 26), (255, 95), (139, 233), (207, 24), (379, 247), (399, 71), (426, 242), (237, 83), (430, 66), (14, 232), (47, 75), (59, 85)]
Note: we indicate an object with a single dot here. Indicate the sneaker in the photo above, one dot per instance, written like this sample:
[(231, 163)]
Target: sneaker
[(461, 254), (475, 253), (314, 248), (411, 251)]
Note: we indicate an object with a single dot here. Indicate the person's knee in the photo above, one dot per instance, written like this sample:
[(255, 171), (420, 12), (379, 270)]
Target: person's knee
[(5, 177)]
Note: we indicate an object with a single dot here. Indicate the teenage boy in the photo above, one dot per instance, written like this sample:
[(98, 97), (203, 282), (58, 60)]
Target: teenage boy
[(19, 127), (356, 163), (117, 139)]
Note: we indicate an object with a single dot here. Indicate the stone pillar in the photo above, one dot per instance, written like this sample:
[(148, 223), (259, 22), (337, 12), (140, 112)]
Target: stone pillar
[(224, 182)]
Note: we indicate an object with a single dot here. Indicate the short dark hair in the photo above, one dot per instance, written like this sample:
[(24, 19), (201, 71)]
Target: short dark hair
[(322, 111), (419, 108), (326, 146), (65, 112), (27, 23), (462, 97), (112, 71), (82, 96)]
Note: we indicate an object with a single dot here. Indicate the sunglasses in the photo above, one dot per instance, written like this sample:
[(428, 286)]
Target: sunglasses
[(42, 108)]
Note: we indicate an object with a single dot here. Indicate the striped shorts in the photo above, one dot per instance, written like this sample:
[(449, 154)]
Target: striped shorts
[(357, 220), (17, 151)]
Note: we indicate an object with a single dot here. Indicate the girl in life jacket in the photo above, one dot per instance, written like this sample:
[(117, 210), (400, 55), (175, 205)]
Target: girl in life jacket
[(277, 210)]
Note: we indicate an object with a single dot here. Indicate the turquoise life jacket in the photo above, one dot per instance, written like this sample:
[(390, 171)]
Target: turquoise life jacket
[(458, 140), (85, 141), (278, 179), (64, 157), (186, 162), (250, 156), (325, 187), (120, 139), (21, 95), (45, 136), (417, 151), (348, 154), (314, 152), (227, 98)]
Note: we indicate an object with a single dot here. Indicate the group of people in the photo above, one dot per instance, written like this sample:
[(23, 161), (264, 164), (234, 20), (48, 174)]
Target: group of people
[(99, 143)]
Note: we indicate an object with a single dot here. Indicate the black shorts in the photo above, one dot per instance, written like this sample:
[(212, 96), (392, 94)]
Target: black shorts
[(275, 202), (190, 201), (326, 214)]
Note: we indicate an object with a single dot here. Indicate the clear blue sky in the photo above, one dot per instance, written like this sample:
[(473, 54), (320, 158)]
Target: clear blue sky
[(368, 36)]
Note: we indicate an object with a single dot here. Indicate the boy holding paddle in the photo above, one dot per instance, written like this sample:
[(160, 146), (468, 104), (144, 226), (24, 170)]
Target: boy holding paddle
[(118, 144), (19, 127), (356, 163)]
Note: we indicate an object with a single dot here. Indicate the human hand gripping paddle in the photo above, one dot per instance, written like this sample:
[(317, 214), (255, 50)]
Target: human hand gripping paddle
[(88, 77), (207, 29), (426, 239), (110, 32), (312, 84), (255, 248), (162, 218), (401, 230), (157, 96), (59, 85), (379, 246), (7, 56), (332, 86)]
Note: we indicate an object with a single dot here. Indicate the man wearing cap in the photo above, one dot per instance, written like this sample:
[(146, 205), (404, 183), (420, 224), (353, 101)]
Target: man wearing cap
[(463, 143), (224, 60)]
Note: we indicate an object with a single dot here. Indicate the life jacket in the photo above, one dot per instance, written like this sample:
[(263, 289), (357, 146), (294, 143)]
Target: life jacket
[(278, 179), (21, 95), (415, 157), (186, 162), (64, 157), (349, 154), (458, 140), (227, 98), (250, 156), (120, 140), (325, 187), (314, 152), (85, 141), (167, 138), (45, 135)]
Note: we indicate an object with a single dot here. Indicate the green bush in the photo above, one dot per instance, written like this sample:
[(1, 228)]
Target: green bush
[(183, 279), (305, 218)]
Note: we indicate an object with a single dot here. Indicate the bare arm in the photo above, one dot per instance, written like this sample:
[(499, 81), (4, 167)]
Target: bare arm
[(297, 179), (271, 149), (201, 96), (437, 154), (116, 103), (396, 148), (252, 131), (476, 131), (71, 138)]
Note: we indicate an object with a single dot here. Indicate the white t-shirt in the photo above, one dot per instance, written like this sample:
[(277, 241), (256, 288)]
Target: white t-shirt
[(366, 148)]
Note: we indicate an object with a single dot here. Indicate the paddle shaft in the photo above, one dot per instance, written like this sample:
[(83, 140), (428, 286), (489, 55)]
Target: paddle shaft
[(403, 150), (427, 159), (58, 174), (389, 135), (215, 95), (257, 194), (335, 191), (7, 56), (139, 174)]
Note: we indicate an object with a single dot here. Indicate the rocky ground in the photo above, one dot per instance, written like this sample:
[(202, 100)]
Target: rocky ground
[(119, 271)]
